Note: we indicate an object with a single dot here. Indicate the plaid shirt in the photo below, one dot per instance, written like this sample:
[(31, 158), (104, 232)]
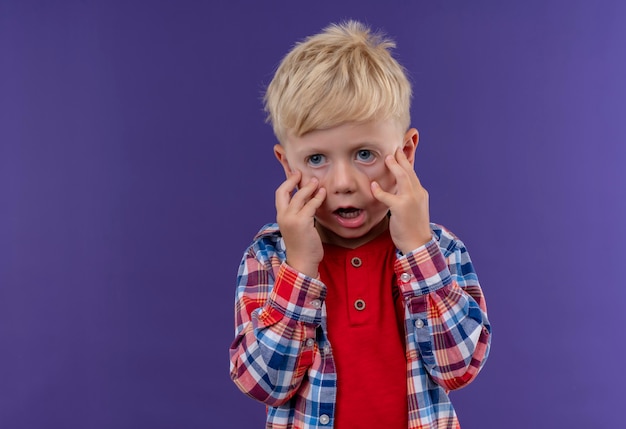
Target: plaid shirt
[(281, 355)]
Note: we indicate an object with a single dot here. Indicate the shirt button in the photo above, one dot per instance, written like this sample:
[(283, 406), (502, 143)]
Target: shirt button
[(359, 304), (326, 349), (405, 277), (324, 419), (309, 342), (419, 323), (356, 262), (316, 303)]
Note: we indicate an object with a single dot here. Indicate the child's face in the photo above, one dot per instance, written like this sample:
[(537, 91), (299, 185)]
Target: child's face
[(346, 159)]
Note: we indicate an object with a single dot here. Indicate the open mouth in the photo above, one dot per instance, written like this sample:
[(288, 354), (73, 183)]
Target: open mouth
[(348, 212)]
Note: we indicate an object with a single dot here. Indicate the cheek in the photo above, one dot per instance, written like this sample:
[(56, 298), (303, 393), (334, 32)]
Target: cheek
[(309, 173), (380, 173)]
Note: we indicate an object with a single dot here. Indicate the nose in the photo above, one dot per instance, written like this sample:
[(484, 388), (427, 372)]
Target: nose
[(342, 178)]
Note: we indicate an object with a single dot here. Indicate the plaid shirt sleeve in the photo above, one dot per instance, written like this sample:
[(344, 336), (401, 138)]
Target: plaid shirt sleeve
[(276, 317), (451, 331)]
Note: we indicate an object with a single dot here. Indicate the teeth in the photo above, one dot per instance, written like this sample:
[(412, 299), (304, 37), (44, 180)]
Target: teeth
[(348, 213)]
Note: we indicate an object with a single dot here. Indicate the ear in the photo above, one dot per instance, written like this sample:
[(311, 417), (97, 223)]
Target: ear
[(281, 156), (409, 144)]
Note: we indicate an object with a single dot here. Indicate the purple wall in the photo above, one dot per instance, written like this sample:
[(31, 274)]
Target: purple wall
[(135, 167)]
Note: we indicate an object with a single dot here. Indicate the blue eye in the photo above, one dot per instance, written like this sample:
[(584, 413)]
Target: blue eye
[(365, 155), (316, 159)]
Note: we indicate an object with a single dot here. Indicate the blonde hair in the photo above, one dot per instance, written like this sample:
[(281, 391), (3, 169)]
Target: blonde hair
[(345, 73)]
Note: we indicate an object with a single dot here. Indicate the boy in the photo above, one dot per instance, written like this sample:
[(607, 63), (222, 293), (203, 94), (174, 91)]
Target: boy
[(353, 310)]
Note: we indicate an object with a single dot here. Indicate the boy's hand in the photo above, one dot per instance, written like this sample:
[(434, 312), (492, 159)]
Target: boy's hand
[(409, 224), (295, 218)]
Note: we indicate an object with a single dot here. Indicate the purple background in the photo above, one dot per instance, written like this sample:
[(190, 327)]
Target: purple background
[(135, 167)]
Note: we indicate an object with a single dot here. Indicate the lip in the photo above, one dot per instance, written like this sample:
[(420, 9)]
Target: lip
[(350, 222)]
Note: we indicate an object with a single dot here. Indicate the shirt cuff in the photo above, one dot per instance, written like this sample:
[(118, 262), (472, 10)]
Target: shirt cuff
[(295, 296), (422, 271)]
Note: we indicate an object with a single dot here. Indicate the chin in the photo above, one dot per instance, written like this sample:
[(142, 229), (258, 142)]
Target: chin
[(351, 237)]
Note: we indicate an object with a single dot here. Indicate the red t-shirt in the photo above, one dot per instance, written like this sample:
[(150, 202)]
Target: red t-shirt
[(366, 333)]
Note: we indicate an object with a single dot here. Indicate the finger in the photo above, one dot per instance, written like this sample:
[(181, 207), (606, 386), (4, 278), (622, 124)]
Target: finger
[(403, 160), (283, 192), (407, 181), (314, 203), (303, 195), (384, 197), (287, 187), (403, 180)]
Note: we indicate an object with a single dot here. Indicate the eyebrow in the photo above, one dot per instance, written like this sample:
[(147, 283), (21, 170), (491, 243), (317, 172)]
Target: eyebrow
[(312, 149)]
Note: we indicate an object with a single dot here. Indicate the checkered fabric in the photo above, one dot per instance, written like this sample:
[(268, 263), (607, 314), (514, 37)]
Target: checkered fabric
[(281, 355)]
